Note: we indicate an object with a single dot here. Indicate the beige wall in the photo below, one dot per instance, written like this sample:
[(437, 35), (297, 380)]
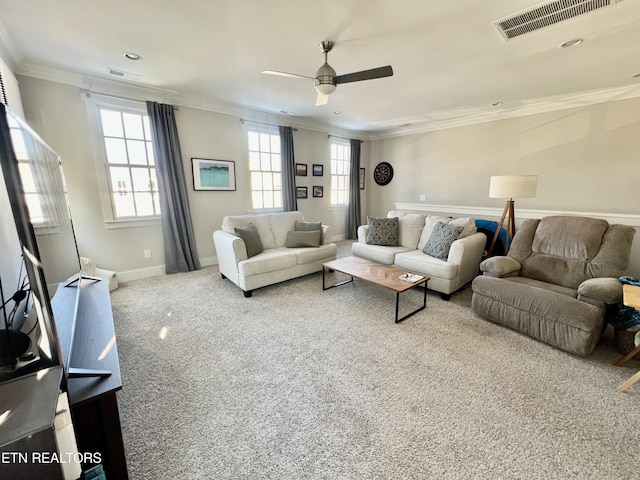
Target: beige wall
[(59, 114), (586, 159)]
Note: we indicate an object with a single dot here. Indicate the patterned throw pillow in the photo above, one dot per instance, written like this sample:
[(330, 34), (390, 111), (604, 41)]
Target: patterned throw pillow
[(383, 231), (440, 241)]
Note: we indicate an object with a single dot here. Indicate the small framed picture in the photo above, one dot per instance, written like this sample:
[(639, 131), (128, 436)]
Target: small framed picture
[(361, 178), (301, 169), (213, 174), (318, 170), (318, 191), (301, 192)]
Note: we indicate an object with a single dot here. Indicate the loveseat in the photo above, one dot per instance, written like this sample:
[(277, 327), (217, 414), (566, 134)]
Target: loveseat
[(452, 264), (286, 247), (557, 280)]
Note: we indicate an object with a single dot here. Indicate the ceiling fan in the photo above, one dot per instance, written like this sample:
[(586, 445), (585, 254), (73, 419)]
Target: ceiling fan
[(326, 79)]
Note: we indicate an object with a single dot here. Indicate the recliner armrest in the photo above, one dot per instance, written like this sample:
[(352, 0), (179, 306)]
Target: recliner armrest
[(500, 266), (607, 290)]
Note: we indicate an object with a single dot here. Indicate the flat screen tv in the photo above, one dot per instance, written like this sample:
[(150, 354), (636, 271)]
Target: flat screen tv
[(53, 280)]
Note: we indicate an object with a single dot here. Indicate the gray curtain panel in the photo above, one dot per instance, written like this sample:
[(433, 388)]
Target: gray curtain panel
[(181, 254), (289, 202), (353, 215)]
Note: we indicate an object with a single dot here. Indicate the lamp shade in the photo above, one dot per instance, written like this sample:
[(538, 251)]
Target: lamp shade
[(513, 186)]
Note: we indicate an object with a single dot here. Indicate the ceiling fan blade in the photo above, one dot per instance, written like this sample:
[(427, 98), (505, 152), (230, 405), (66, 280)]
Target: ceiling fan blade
[(379, 72), (322, 99), (285, 74)]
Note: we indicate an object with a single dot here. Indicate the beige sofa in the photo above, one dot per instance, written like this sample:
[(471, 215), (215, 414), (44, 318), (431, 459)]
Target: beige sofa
[(557, 280), (447, 275), (277, 262)]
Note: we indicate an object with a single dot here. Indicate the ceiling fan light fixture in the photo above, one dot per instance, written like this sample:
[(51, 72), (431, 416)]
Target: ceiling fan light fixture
[(324, 79)]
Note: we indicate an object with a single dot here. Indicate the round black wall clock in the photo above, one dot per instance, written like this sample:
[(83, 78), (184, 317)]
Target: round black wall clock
[(383, 173)]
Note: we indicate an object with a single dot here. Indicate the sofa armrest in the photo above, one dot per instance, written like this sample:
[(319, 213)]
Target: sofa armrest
[(598, 290), (466, 253), (362, 233), (327, 235), (500, 266), (230, 250)]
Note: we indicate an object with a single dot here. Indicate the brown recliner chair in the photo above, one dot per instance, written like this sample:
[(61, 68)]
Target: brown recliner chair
[(557, 280)]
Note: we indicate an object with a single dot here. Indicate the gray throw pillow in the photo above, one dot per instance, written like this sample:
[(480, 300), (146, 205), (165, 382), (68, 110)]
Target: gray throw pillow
[(383, 231), (296, 239), (307, 226), (249, 233), (440, 241)]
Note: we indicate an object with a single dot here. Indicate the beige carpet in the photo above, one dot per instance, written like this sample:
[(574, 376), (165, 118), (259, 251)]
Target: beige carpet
[(297, 383)]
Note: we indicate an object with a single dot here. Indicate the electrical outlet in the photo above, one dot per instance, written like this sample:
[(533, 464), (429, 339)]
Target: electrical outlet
[(147, 253), (423, 198)]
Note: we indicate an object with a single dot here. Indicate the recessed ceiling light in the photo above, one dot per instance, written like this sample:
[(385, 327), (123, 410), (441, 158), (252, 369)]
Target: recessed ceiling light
[(337, 112), (286, 112), (571, 43), (497, 104), (637, 75), (132, 56)]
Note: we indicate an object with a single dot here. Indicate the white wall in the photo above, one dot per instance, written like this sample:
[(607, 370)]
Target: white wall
[(586, 159)]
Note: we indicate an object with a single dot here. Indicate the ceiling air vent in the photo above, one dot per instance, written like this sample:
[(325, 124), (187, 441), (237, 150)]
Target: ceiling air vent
[(546, 14), (121, 74)]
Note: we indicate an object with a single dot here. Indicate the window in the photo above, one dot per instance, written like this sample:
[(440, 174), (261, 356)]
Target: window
[(265, 166), (340, 169), (131, 169)]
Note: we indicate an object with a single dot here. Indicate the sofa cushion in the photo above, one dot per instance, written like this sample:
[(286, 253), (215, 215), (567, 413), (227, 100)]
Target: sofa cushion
[(440, 241), (268, 261), (320, 254), (416, 261), (281, 224), (307, 226), (468, 224), (297, 239), (429, 223), (249, 233), (377, 253), (383, 231), (411, 226), (260, 221)]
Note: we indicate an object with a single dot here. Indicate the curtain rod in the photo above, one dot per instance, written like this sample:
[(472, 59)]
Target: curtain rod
[(88, 93), (242, 120), (344, 138)]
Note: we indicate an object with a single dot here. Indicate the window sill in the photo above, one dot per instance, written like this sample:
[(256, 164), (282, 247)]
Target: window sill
[(338, 207), (132, 223)]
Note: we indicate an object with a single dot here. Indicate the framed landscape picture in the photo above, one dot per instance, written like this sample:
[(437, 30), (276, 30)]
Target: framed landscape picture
[(361, 178), (213, 174), (301, 169), (301, 192), (318, 191), (318, 169)]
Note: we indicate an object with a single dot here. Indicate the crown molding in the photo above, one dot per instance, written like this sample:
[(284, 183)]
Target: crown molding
[(436, 120), (471, 116), (138, 92)]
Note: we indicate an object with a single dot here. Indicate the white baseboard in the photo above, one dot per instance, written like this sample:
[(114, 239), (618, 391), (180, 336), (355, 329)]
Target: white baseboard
[(158, 270)]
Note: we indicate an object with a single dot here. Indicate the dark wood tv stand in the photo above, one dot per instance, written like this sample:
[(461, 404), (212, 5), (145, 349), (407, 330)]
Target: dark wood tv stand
[(93, 399)]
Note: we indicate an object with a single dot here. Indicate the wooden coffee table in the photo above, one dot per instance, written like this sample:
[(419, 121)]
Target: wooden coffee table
[(386, 276)]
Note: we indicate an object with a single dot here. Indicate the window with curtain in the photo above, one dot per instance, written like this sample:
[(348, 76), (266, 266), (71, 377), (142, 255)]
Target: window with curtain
[(340, 169), (133, 187), (265, 166)]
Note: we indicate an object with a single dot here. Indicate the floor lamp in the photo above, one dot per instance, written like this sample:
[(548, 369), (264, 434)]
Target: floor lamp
[(510, 187)]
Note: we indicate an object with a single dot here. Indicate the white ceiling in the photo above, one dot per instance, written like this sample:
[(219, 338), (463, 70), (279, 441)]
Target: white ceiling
[(450, 63)]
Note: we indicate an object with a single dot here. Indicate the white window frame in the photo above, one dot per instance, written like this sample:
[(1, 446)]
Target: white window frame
[(256, 155), (340, 161), (93, 102)]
